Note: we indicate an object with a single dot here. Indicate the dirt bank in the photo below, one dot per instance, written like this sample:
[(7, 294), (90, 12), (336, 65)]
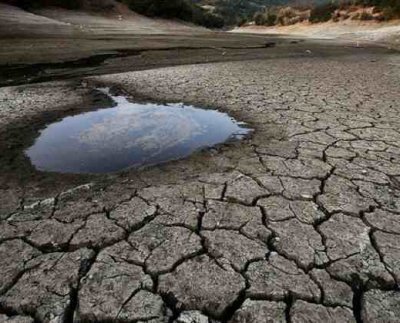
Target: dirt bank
[(383, 33)]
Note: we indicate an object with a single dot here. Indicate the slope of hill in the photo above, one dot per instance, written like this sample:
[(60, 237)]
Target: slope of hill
[(237, 12), (184, 10), (384, 33), (58, 21)]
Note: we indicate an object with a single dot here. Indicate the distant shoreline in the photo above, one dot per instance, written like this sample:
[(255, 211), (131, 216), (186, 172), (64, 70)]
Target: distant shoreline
[(383, 33)]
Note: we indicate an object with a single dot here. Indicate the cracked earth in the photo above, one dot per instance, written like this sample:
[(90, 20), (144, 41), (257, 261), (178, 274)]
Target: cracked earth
[(300, 223)]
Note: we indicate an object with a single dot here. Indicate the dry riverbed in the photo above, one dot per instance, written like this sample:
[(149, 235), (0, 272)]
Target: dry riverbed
[(299, 223)]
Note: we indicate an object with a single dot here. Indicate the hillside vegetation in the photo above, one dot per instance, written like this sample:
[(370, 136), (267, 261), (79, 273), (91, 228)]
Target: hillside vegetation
[(378, 10), (220, 13)]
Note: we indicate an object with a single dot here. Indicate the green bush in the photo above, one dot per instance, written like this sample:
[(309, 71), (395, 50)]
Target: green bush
[(390, 8), (265, 19), (389, 13), (259, 18), (366, 16), (322, 13), (271, 19)]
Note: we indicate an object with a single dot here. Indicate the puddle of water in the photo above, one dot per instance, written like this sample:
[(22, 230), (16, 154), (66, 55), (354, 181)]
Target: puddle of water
[(130, 135)]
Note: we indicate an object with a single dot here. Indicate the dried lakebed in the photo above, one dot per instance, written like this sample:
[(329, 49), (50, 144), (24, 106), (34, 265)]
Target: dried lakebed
[(299, 223), (130, 135)]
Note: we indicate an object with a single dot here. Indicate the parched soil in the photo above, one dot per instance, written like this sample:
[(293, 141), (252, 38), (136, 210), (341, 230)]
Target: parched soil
[(55, 44), (300, 223), (385, 33)]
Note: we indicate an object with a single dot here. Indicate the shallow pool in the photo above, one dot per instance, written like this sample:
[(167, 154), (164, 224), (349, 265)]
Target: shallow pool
[(130, 135)]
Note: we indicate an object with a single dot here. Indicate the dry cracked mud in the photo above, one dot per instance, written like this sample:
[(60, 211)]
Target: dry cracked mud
[(299, 223)]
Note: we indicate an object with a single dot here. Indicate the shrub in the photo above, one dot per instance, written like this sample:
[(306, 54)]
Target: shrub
[(259, 18), (285, 15), (271, 19), (322, 12), (390, 8), (388, 13), (243, 21), (289, 16), (366, 16), (262, 18)]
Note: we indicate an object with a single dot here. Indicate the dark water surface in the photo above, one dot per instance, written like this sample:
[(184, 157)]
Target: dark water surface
[(129, 135)]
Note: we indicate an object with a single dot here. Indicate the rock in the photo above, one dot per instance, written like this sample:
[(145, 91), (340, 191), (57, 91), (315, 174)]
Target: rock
[(113, 290), (298, 188), (49, 281), (272, 183), (98, 231), (345, 236), (260, 311), (303, 312), (223, 215), (349, 246), (297, 241), (159, 247), (213, 191), (133, 213), (335, 292), (9, 201), (278, 208), (357, 172), (389, 247), (186, 214), (15, 229), (191, 317), (179, 205), (307, 168), (387, 196), (15, 256), (285, 149), (51, 234), (250, 165), (340, 195), (245, 190), (15, 319), (376, 134), (254, 229), (336, 152), (277, 277), (190, 285), (381, 306), (190, 191), (77, 204), (307, 211), (234, 247), (384, 220)]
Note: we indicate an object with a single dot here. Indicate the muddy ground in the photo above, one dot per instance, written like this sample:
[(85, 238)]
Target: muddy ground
[(298, 223)]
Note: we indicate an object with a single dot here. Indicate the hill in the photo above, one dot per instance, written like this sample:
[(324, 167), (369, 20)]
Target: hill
[(238, 12), (184, 10)]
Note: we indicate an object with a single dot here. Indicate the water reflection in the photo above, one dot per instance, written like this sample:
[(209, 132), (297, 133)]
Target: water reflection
[(129, 135)]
